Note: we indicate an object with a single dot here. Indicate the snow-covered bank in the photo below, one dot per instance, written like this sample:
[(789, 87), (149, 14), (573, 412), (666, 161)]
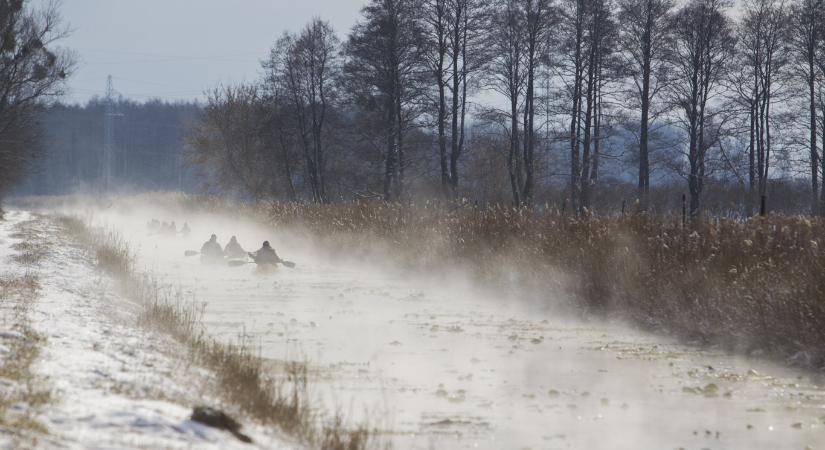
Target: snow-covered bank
[(113, 384)]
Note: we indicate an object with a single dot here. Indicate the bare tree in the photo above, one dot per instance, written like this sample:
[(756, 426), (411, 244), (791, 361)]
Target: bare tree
[(437, 22), (807, 32), (588, 34), (517, 45), (305, 68), (32, 73), (573, 65), (538, 17), (455, 32), (600, 33), (281, 137), (470, 19), (700, 56), (763, 48), (384, 69), (228, 143), (507, 76), (644, 39)]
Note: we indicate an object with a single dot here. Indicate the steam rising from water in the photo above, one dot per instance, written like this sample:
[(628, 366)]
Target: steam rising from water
[(441, 363)]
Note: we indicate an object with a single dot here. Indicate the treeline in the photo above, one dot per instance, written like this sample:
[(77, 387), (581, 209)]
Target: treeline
[(148, 147), (534, 101)]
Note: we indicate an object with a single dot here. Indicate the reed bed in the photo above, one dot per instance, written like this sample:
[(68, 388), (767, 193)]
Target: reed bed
[(754, 287)]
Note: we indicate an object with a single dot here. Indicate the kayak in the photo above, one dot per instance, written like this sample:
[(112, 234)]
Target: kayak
[(265, 269), (236, 255), (212, 260)]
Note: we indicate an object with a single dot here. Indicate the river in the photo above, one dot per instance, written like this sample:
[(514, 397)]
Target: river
[(435, 363)]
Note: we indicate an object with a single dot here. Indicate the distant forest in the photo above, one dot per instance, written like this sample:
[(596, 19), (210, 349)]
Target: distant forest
[(148, 150)]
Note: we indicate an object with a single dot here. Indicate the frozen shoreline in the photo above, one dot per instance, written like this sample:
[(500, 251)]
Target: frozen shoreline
[(113, 384)]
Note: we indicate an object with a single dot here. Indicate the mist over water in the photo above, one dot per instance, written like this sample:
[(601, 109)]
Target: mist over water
[(435, 362)]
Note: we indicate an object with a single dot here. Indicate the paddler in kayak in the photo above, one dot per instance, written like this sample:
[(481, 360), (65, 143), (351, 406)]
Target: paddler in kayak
[(234, 250), (211, 252), (265, 256)]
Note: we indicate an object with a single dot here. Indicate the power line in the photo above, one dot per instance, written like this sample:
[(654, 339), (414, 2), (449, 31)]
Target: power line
[(171, 55), (109, 134), (173, 60)]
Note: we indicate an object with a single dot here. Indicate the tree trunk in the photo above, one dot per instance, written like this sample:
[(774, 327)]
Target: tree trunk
[(644, 158), (462, 128), (442, 138), (287, 167), (597, 121), (575, 115), (752, 160), (401, 162), (456, 59), (814, 151), (529, 115), (588, 119), (512, 160), (822, 161), (389, 163)]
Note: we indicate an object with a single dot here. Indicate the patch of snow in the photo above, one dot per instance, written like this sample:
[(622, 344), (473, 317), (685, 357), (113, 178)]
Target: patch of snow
[(114, 384), (10, 334)]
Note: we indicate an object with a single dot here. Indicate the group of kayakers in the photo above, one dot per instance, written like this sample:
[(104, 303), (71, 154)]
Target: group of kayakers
[(211, 251), (167, 228)]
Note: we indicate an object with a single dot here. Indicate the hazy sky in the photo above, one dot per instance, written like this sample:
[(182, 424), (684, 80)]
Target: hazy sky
[(175, 49)]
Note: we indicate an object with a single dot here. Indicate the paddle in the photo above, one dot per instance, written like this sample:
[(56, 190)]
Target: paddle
[(191, 253), (238, 263)]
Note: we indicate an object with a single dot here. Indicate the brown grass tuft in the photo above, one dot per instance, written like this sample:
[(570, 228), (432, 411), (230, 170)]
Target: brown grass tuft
[(20, 401), (112, 254)]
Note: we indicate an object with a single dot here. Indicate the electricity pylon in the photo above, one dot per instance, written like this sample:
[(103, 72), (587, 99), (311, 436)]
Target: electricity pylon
[(109, 136)]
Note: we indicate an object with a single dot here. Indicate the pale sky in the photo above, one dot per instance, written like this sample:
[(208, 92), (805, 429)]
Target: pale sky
[(175, 49)]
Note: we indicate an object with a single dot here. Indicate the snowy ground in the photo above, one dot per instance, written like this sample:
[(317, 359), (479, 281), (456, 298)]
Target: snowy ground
[(439, 364), (113, 385)]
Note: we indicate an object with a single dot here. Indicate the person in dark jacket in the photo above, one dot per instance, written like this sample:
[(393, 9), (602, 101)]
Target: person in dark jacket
[(233, 249), (265, 255), (211, 251)]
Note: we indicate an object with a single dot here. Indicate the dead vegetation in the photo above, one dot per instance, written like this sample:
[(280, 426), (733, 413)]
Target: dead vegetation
[(755, 287), (244, 380), (30, 250), (112, 254), (23, 394)]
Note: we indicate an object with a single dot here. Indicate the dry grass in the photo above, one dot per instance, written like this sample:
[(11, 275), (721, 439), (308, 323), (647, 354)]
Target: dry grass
[(26, 394), (30, 250), (752, 286), (244, 379), (112, 254)]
